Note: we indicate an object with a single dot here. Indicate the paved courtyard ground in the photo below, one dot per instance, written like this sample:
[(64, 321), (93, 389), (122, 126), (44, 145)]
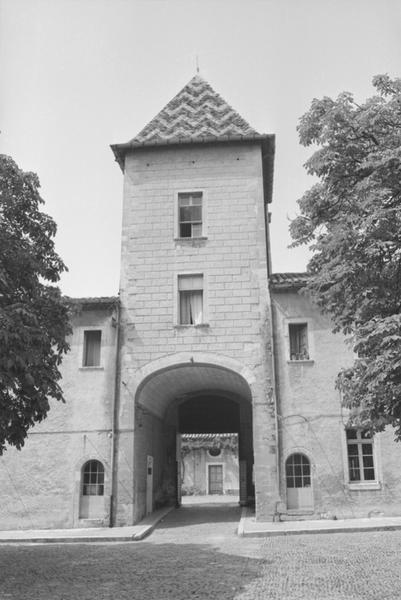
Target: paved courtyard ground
[(195, 553)]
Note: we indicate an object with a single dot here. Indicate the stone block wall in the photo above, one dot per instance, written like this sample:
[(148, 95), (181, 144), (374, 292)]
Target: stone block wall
[(232, 257)]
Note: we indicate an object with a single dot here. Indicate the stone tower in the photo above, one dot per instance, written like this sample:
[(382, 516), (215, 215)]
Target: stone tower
[(195, 353)]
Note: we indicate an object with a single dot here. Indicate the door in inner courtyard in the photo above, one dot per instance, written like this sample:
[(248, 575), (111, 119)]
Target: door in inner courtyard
[(215, 479)]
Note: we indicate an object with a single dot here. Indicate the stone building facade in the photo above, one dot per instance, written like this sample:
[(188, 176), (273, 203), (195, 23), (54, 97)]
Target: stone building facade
[(347, 473), (42, 485), (202, 339)]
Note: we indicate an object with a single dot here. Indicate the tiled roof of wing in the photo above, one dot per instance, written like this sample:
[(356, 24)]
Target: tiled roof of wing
[(288, 280)]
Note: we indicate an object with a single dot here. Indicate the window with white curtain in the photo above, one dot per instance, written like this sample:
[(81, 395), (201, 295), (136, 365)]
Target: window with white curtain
[(190, 296)]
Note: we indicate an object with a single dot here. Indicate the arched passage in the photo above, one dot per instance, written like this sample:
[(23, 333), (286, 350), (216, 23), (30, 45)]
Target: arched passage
[(209, 413), (190, 397)]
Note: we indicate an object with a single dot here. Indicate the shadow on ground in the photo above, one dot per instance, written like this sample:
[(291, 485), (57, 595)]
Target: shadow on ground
[(134, 571)]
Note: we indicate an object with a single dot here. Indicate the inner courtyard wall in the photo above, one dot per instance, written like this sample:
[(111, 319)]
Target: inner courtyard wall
[(194, 471)]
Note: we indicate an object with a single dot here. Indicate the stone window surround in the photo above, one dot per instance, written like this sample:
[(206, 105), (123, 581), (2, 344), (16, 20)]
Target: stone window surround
[(81, 346), (176, 303), (311, 346), (363, 485)]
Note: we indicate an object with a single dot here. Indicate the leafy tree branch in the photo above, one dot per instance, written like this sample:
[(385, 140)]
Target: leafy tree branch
[(352, 219), (34, 321)]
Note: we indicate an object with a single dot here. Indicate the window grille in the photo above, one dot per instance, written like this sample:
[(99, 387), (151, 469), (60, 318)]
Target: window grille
[(361, 466), (297, 468), (93, 479), (299, 349), (190, 215)]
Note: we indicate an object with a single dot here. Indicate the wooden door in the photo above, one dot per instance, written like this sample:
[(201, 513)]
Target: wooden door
[(299, 485), (215, 479)]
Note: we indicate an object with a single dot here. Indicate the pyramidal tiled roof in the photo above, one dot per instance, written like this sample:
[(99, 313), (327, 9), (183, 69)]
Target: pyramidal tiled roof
[(198, 115), (195, 113)]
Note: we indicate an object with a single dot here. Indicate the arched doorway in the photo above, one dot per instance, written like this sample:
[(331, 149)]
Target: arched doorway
[(91, 504), (187, 398), (299, 482)]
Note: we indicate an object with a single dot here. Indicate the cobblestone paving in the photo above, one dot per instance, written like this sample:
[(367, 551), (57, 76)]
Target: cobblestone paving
[(195, 553)]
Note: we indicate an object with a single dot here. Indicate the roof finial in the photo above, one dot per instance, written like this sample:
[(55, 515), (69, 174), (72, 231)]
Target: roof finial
[(197, 64)]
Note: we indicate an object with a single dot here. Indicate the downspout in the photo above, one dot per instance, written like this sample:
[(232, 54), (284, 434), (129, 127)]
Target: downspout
[(114, 409), (272, 346)]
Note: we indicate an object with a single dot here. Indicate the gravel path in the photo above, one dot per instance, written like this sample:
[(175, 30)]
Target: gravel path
[(195, 553)]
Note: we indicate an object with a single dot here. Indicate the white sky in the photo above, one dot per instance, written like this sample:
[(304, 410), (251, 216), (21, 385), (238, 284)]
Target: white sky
[(78, 75)]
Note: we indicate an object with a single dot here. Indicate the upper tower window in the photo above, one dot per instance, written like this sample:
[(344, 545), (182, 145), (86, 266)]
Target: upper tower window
[(190, 214)]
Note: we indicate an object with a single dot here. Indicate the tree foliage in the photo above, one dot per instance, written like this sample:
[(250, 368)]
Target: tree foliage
[(352, 218), (34, 318)]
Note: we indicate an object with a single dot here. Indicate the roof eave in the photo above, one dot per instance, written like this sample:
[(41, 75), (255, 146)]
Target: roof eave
[(286, 287), (93, 303), (283, 282), (267, 142)]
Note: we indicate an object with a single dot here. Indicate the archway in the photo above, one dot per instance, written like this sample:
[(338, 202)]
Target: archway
[(191, 397), (217, 414)]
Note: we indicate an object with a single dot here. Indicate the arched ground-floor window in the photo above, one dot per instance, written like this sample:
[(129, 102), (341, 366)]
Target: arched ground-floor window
[(299, 485), (92, 490)]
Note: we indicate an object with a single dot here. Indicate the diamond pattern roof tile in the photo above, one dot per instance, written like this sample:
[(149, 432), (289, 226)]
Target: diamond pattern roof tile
[(196, 112), (198, 115)]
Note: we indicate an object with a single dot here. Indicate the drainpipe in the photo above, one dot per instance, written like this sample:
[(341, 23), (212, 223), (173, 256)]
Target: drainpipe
[(272, 345), (114, 409), (275, 396)]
